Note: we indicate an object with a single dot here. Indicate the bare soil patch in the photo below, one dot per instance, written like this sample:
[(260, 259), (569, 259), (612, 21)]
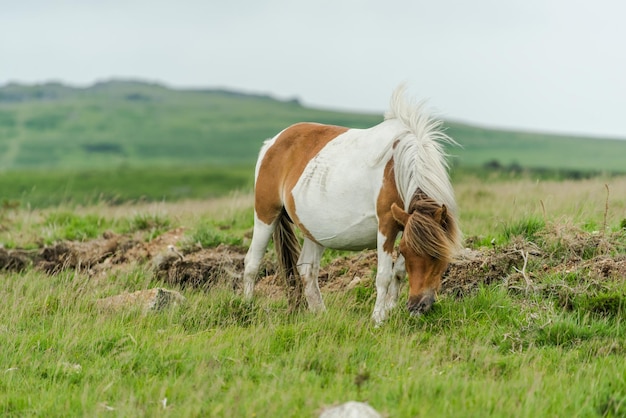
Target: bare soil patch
[(563, 250)]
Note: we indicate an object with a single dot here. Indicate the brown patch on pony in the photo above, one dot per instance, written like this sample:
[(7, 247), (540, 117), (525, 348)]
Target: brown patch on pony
[(283, 164), (387, 198)]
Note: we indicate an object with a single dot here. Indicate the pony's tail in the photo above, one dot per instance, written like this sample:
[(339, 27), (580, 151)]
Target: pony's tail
[(287, 252)]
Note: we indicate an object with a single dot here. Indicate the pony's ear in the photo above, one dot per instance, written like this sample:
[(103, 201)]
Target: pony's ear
[(441, 214), (399, 214)]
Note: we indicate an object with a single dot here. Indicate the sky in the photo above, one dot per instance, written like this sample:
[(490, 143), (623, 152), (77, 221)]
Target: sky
[(538, 65)]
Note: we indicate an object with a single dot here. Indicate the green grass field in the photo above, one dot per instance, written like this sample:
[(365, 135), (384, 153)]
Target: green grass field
[(145, 162), (37, 188), (503, 349)]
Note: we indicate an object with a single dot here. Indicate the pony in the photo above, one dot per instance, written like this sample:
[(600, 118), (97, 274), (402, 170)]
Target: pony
[(355, 189)]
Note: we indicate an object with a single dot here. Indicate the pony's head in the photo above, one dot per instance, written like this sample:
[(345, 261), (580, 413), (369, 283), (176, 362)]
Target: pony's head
[(428, 244)]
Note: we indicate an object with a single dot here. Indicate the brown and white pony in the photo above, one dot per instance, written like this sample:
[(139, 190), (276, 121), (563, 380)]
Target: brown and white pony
[(353, 189)]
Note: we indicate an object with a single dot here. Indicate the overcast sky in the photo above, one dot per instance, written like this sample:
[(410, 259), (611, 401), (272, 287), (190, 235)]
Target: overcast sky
[(549, 65)]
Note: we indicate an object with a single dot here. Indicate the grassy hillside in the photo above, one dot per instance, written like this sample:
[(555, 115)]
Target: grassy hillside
[(127, 123), (536, 151), (118, 123)]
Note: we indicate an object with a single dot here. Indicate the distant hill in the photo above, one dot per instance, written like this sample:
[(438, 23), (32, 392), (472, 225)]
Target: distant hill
[(139, 124)]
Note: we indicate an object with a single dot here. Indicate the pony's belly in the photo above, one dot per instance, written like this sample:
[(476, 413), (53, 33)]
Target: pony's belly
[(342, 224), (357, 236)]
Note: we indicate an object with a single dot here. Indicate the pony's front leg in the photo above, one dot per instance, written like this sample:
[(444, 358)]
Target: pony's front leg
[(309, 268), (399, 273), (260, 238), (383, 281)]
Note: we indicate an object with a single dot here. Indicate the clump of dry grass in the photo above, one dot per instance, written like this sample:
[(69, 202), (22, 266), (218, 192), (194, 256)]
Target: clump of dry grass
[(566, 242)]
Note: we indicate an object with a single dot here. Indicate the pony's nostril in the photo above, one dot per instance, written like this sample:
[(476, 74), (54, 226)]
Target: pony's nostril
[(426, 303), (420, 304)]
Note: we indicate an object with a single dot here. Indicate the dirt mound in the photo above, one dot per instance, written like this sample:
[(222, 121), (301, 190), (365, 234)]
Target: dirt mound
[(486, 266), (345, 272), (90, 256), (15, 260), (340, 274), (201, 269), (604, 267), (85, 255), (560, 250)]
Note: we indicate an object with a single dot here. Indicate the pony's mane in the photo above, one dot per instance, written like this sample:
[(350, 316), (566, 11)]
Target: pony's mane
[(433, 231), (419, 155), (421, 175)]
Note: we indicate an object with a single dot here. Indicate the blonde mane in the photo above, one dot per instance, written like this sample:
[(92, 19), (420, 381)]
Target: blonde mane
[(419, 154), (420, 160)]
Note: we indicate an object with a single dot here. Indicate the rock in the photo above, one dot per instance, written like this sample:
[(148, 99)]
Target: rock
[(148, 300), (354, 283), (351, 409)]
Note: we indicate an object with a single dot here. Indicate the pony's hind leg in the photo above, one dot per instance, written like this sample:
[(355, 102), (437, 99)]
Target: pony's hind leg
[(309, 268), (260, 238)]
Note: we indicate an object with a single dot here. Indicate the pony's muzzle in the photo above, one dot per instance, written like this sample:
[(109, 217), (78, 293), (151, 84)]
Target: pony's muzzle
[(421, 303)]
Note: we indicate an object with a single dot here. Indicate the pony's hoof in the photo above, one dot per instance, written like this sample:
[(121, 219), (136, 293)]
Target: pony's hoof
[(378, 318), (248, 293), (317, 309)]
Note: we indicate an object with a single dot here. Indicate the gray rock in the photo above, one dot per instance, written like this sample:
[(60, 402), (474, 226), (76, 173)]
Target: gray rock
[(351, 409), (147, 300)]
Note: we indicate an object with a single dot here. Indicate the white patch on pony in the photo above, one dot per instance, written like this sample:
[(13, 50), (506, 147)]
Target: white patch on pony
[(266, 145), (335, 198)]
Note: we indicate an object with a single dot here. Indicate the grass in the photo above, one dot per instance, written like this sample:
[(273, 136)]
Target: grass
[(124, 184), (67, 226), (488, 355), (497, 351), (489, 207), (209, 235)]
